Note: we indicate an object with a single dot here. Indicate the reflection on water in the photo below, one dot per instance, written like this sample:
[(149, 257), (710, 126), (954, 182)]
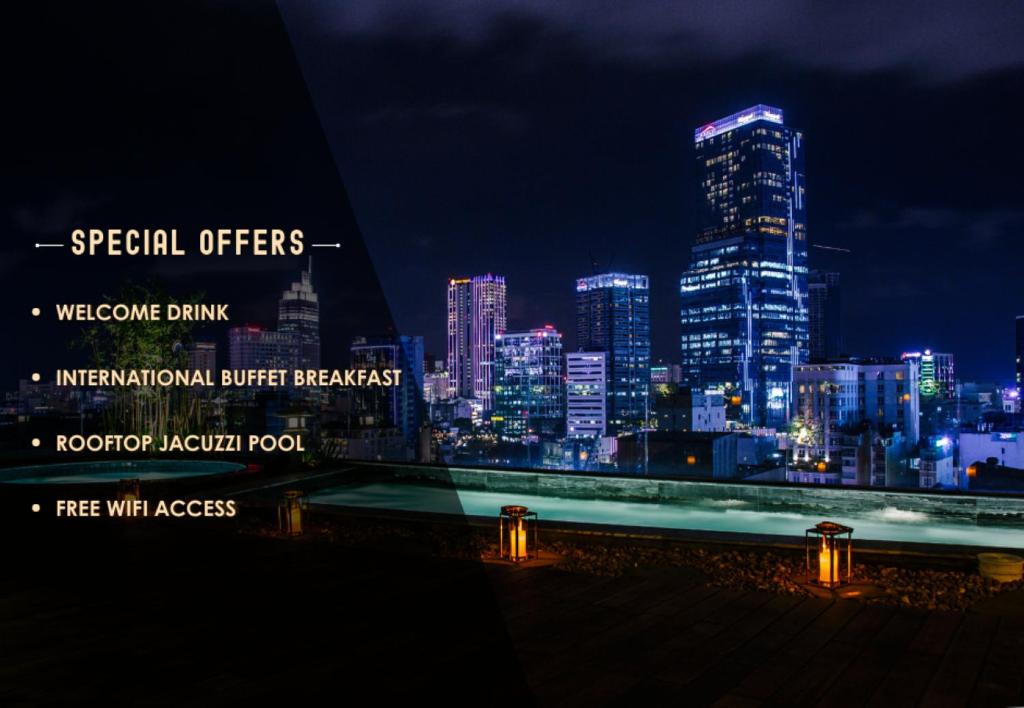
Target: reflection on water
[(99, 472), (887, 524)]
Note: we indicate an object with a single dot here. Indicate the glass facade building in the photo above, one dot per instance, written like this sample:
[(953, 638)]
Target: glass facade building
[(613, 316), (744, 297), (489, 307), (395, 406), (477, 313), (460, 311), (529, 389), (298, 314), (824, 316)]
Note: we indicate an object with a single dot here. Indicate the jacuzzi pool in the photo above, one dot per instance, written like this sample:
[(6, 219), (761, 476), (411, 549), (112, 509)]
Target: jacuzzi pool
[(112, 471), (701, 506)]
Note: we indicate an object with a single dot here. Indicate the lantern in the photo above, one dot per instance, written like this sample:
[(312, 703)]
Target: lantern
[(129, 490), (289, 512), (829, 554), (822, 466), (517, 534)]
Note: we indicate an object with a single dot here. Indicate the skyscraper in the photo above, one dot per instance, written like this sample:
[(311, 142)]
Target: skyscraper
[(257, 348), (399, 406), (824, 316), (613, 316), (489, 320), (744, 298), (529, 391), (477, 313), (298, 315), (460, 313)]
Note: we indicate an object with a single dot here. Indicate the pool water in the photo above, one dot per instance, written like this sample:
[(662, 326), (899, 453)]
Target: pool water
[(887, 520), (112, 471)]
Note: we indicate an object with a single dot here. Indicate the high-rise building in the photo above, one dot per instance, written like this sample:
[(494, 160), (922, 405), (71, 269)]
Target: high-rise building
[(529, 391), (744, 298), (460, 312), (490, 308), (1019, 367), (398, 406), (613, 316), (586, 414), (477, 313), (257, 348), (824, 316), (202, 356), (298, 314)]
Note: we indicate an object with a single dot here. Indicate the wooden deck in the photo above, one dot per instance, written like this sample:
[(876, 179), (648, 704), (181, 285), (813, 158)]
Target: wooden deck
[(196, 616), (653, 641)]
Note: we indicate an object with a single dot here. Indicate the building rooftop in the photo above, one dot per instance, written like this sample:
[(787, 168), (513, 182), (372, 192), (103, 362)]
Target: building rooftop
[(738, 119)]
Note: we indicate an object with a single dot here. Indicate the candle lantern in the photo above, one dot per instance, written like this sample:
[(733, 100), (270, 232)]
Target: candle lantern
[(829, 554), (517, 533), (289, 512), (129, 490)]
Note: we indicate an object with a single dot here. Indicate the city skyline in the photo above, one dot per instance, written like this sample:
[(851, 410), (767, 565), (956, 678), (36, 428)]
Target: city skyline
[(555, 152)]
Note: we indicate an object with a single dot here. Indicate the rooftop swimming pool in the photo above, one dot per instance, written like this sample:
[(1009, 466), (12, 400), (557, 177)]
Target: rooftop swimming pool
[(698, 506), (112, 471)]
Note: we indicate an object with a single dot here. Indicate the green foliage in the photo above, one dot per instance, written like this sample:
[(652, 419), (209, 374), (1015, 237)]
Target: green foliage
[(146, 344)]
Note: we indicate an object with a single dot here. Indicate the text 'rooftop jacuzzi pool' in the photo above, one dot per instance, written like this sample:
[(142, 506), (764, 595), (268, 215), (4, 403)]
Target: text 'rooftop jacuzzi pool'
[(699, 506), (112, 471)]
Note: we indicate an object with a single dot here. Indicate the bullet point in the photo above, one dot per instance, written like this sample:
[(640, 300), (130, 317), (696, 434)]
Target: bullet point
[(35, 377), (36, 312), (35, 442), (35, 507)]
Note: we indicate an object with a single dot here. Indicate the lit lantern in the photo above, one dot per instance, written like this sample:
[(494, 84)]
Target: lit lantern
[(691, 459), (829, 553), (289, 512), (517, 533), (822, 466), (129, 490)]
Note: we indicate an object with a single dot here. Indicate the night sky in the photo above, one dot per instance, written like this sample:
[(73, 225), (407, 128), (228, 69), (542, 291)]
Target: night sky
[(521, 138)]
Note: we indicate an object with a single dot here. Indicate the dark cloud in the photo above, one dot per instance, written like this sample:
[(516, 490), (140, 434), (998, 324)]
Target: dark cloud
[(937, 39)]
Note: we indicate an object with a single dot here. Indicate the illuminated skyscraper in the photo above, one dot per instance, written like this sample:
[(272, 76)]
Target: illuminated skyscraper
[(477, 313), (744, 298), (529, 390), (298, 315), (489, 320), (613, 316), (460, 313)]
